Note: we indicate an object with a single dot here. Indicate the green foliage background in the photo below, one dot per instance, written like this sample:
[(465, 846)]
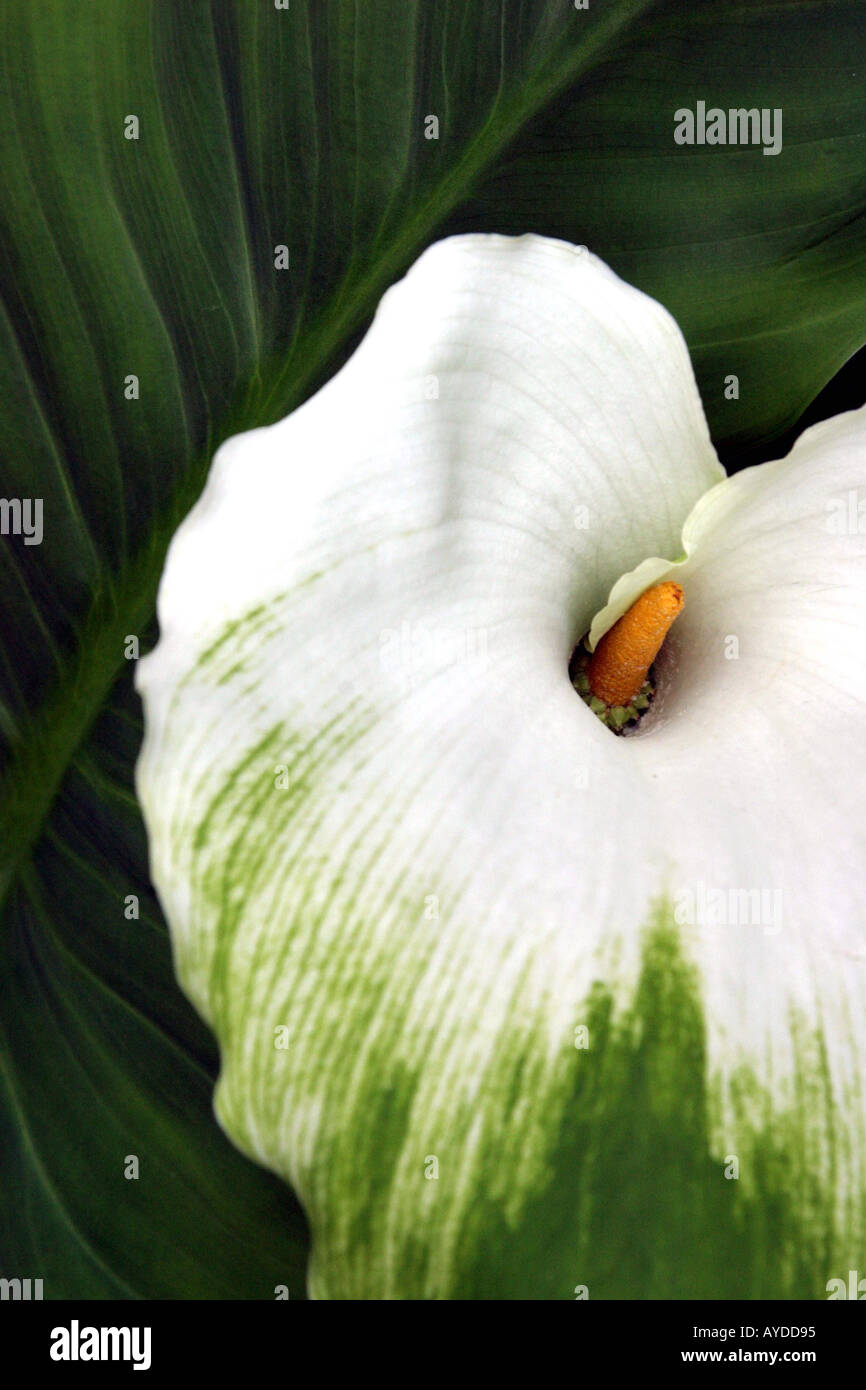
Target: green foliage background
[(305, 127)]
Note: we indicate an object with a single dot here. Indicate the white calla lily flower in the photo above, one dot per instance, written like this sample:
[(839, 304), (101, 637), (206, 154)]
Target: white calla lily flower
[(521, 1008)]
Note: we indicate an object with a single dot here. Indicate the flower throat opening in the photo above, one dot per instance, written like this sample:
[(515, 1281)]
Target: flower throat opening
[(616, 680)]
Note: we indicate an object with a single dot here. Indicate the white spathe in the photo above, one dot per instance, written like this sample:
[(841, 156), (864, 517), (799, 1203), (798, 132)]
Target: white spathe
[(380, 816)]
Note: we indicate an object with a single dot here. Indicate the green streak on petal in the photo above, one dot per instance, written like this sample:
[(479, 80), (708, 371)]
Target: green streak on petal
[(620, 1187), (560, 1166), (637, 1206)]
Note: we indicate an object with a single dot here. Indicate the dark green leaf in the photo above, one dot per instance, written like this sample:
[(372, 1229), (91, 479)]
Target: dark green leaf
[(155, 257)]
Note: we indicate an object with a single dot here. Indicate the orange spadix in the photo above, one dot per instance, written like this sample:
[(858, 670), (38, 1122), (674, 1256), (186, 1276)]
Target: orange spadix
[(618, 666)]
